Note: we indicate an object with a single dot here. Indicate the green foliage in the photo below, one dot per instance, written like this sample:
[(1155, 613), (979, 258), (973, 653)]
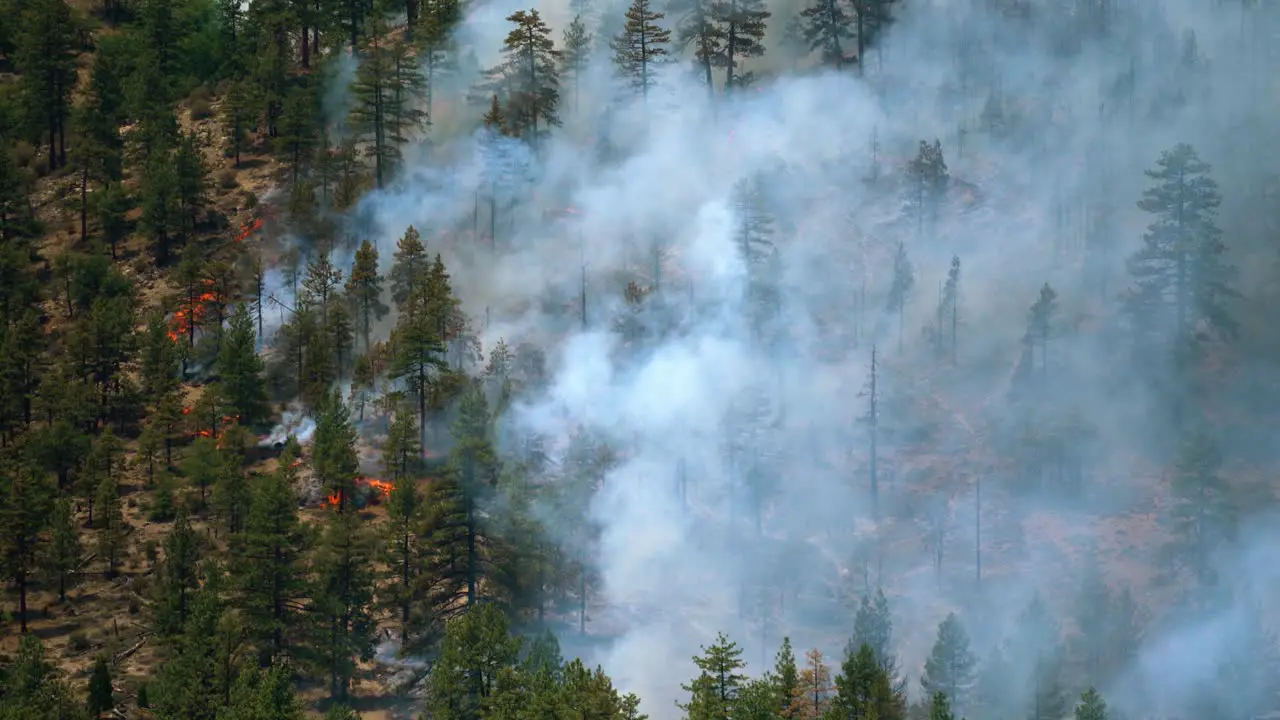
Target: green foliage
[(1091, 706), (101, 697), (950, 666), (713, 694), (641, 45), (25, 502), (240, 371)]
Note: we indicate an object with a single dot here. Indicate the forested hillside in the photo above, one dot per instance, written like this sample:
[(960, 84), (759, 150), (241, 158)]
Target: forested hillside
[(874, 359)]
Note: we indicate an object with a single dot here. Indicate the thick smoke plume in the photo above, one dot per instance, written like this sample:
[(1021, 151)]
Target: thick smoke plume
[(741, 503)]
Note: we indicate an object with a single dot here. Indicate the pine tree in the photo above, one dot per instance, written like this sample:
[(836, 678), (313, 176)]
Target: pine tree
[(45, 58), (101, 696), (641, 45), (827, 27), (295, 137), (419, 339), (262, 694), (950, 666), (268, 574), (65, 553), (409, 270), (178, 578), (24, 515), (814, 691), (240, 371), (949, 312), (696, 26), (341, 601), (940, 707), (333, 455), (404, 519), (239, 117), (1042, 325), (927, 182), (742, 25), (904, 279), (159, 358), (714, 693), (864, 688), (1180, 274), (1091, 706), (111, 529), (364, 289), (529, 76), (1203, 515), (873, 626), (786, 678), (477, 648), (577, 44)]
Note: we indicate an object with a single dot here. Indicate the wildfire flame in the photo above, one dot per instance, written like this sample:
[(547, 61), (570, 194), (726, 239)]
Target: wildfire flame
[(248, 229), (381, 488), (191, 313)]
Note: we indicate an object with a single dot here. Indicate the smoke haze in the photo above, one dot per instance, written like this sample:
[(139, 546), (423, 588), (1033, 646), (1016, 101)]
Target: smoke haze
[(714, 418)]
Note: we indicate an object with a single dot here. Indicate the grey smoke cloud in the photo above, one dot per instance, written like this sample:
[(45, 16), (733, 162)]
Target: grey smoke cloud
[(674, 569)]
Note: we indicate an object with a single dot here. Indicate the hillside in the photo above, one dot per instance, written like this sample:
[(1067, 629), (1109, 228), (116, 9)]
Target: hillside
[(374, 360)]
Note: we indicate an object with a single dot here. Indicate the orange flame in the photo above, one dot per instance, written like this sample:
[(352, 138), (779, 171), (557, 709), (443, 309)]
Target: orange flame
[(333, 499), (382, 486), (248, 229)]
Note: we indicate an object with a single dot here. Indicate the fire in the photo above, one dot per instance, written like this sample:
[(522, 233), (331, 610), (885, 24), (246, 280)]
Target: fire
[(382, 486), (191, 314), (334, 499), (248, 229)]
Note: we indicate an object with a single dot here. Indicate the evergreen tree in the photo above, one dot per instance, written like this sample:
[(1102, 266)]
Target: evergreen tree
[(949, 312), (45, 57), (940, 707), (264, 695), (576, 44), (364, 289), (529, 76), (403, 553), (25, 502), (333, 455), (178, 577), (476, 649), (65, 553), (341, 601), (696, 26), (950, 666), (641, 45), (904, 279), (742, 25), (873, 626), (1091, 706), (419, 340), (864, 688), (387, 87), (827, 27), (101, 696), (240, 370), (111, 531), (410, 269), (714, 693), (31, 688), (927, 182), (159, 358), (1204, 515), (268, 574), (295, 139), (1042, 325), (786, 678)]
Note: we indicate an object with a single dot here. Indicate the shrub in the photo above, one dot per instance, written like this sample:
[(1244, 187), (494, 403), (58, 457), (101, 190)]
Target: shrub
[(201, 109), (78, 642), (227, 178)]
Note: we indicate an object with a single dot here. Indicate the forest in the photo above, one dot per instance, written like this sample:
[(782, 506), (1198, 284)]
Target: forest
[(623, 359)]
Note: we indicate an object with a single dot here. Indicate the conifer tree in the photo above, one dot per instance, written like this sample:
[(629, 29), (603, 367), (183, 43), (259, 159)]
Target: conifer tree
[(827, 27), (1180, 274), (529, 76), (45, 57), (25, 502), (904, 279), (342, 601), (786, 677), (814, 692), (178, 577), (864, 688), (576, 51), (404, 520), (409, 270), (364, 289), (269, 575), (159, 358), (714, 693), (1042, 325), (295, 137), (641, 45), (696, 26), (873, 626), (401, 451), (940, 707), (1091, 706), (101, 696), (742, 25), (1203, 515), (65, 553), (111, 528), (476, 650), (419, 339), (950, 666), (333, 455), (927, 182), (949, 312), (240, 370)]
